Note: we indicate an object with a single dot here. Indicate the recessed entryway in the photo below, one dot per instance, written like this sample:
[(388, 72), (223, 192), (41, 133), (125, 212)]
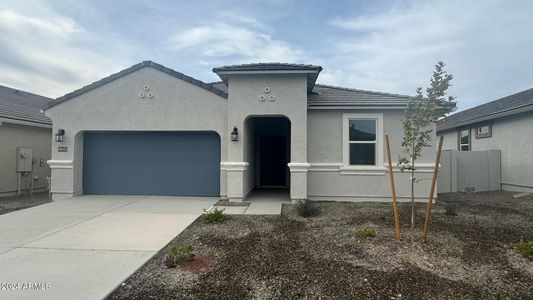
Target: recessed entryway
[(268, 150)]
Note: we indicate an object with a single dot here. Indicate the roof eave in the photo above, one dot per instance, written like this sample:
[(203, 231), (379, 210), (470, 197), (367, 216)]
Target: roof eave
[(130, 70), (333, 107), (20, 121), (496, 115), (312, 75)]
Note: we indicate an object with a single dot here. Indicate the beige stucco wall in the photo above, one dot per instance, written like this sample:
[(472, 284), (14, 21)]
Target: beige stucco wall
[(511, 135), (327, 180), (176, 106), (13, 136)]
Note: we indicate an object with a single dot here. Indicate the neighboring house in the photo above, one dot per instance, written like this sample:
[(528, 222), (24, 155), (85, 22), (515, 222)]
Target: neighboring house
[(23, 125), (151, 130), (505, 124)]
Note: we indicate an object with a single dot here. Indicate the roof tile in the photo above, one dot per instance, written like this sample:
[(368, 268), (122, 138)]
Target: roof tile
[(472, 115), (24, 106)]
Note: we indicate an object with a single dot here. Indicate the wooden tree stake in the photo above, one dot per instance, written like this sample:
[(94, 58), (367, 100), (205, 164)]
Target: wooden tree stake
[(393, 190), (432, 191)]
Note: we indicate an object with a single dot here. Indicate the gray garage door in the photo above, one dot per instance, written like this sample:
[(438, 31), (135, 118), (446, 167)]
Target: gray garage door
[(151, 163)]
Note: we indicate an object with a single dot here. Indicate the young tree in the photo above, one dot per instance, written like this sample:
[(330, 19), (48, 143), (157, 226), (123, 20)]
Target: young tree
[(421, 112)]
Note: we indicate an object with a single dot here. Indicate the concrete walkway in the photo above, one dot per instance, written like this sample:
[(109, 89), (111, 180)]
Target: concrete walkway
[(261, 202), (83, 247)]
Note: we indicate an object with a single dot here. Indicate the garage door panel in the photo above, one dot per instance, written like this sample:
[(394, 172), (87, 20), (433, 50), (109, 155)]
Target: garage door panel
[(152, 163)]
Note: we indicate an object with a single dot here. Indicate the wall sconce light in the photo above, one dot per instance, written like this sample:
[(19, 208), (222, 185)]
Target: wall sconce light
[(235, 135), (59, 135)]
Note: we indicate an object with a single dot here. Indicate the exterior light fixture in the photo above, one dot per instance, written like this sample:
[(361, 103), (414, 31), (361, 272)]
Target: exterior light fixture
[(235, 135), (59, 135)]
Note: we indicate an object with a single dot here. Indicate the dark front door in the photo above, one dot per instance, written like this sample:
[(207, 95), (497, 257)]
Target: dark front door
[(151, 163), (273, 161)]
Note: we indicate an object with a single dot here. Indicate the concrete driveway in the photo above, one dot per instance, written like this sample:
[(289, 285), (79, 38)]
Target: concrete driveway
[(83, 247)]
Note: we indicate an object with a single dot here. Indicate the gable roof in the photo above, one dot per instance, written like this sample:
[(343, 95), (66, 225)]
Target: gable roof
[(509, 105), (23, 106), (328, 97), (132, 69), (274, 66), (311, 71)]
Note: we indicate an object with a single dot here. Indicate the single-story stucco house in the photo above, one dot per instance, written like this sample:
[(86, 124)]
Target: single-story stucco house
[(505, 124), (23, 128), (152, 130)]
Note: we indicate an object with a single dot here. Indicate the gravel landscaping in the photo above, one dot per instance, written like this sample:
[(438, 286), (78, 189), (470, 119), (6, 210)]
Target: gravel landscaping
[(470, 254), (13, 203)]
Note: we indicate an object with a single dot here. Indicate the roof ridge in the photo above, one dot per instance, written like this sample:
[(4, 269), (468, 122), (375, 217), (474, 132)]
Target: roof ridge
[(364, 91), (488, 103), (264, 64), (491, 110), (138, 66), (25, 92)]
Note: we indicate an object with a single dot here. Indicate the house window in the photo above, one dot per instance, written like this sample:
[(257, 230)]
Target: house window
[(484, 131), (362, 139), (464, 140)]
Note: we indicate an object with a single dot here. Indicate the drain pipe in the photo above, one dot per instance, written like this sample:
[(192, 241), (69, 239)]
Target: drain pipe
[(19, 178)]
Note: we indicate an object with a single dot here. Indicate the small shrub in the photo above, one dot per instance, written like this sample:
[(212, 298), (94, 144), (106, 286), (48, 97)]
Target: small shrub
[(364, 233), (525, 248), (450, 208), (306, 209), (170, 261), (217, 215), (179, 254)]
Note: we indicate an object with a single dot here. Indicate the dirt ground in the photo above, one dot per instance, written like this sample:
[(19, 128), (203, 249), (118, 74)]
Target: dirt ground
[(13, 203), (470, 255)]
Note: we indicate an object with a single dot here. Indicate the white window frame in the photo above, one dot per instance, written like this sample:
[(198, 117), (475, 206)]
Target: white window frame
[(378, 117), (483, 132), (469, 139)]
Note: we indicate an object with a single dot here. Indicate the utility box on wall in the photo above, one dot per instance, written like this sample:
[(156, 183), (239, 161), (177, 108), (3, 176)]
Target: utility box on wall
[(24, 159)]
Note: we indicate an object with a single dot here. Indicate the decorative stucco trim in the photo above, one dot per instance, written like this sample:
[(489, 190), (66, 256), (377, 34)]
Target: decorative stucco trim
[(372, 170), (361, 170), (60, 164), (234, 166), (297, 167), (365, 198), (325, 167)]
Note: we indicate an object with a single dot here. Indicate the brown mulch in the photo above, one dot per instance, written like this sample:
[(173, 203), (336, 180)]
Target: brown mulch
[(470, 255), (200, 264)]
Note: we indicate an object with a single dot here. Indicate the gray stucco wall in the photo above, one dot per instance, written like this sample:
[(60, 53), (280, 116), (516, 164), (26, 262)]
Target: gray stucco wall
[(328, 181), (513, 136), (176, 105), (290, 92), (13, 136)]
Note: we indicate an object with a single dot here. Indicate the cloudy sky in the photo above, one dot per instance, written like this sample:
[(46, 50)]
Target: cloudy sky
[(54, 47)]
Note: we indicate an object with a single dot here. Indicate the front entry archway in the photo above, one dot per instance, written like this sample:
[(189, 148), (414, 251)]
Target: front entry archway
[(268, 151)]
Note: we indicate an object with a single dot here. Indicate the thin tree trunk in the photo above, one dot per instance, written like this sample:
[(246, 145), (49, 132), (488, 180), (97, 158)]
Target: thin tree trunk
[(413, 187), (413, 194)]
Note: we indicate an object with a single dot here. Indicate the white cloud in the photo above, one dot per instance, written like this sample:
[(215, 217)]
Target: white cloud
[(484, 43), (50, 54), (221, 40)]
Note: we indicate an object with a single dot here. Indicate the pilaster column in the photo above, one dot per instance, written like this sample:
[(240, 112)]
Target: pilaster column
[(235, 179), (298, 180)]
